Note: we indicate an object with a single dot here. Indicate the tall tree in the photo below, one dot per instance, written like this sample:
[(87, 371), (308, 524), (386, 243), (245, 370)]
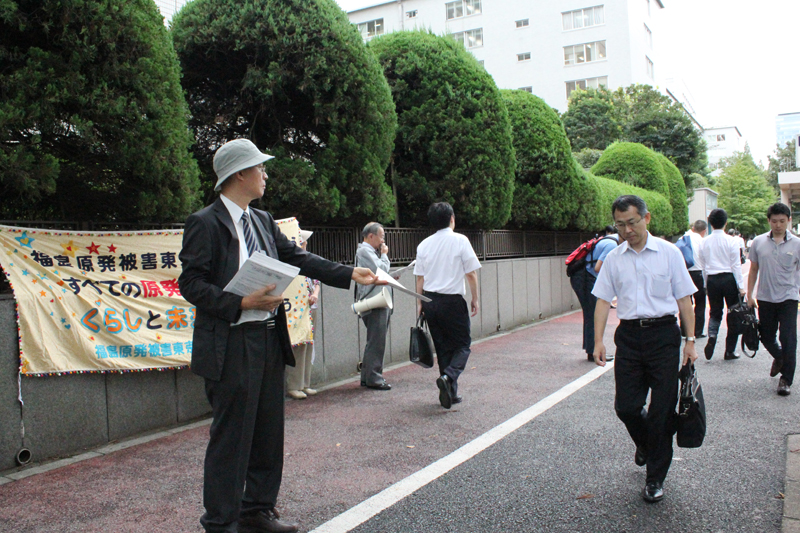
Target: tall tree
[(590, 120), (454, 137), (745, 194), (93, 122), (295, 77), (783, 160)]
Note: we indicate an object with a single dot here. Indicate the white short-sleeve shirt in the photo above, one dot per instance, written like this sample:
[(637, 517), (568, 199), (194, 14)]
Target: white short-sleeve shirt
[(647, 284), (443, 259)]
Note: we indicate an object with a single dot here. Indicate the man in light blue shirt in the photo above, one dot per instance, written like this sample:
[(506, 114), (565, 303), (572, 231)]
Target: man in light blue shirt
[(649, 278)]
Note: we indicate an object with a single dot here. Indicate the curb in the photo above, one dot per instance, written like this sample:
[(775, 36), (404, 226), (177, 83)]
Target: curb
[(791, 490)]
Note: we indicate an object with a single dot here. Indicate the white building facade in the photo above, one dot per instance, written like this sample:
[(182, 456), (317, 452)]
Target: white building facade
[(723, 142), (548, 48)]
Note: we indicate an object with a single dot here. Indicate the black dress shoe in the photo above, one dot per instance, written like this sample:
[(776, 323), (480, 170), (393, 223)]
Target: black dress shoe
[(458, 399), (445, 391), (590, 357), (640, 457), (380, 386), (730, 356), (784, 389), (265, 522), (653, 492), (777, 366), (709, 349)]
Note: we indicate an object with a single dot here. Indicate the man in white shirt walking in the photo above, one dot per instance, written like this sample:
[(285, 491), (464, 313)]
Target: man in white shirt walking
[(444, 261), (696, 235), (649, 278), (722, 270), (775, 261)]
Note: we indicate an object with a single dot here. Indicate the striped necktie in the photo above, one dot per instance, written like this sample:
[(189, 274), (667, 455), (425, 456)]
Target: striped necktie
[(249, 236)]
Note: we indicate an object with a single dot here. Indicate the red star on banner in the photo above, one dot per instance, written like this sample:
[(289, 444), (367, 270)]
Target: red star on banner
[(94, 248), (112, 248)]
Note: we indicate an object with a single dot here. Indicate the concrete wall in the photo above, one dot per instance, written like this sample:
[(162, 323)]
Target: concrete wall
[(67, 414)]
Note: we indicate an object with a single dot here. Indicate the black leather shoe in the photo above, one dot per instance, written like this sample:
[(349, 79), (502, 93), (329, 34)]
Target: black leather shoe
[(445, 391), (653, 492), (784, 389), (590, 357), (380, 386), (777, 366), (640, 457), (709, 349), (458, 399), (265, 522), (729, 356)]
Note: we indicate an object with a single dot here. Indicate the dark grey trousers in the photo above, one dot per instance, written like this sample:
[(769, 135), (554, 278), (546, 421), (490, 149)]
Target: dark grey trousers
[(377, 323)]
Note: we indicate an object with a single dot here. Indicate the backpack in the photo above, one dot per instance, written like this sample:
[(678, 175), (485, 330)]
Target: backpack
[(576, 261), (684, 244)]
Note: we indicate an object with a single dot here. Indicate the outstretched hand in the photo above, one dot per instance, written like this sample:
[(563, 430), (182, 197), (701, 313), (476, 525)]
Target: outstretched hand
[(364, 276)]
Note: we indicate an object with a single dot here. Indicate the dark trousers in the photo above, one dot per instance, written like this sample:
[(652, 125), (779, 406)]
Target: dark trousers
[(246, 437), (783, 316), (722, 290), (647, 359), (699, 299), (448, 320), (583, 283)]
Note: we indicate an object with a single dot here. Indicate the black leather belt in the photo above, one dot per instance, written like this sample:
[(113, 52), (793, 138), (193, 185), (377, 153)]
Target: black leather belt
[(270, 324), (650, 322)]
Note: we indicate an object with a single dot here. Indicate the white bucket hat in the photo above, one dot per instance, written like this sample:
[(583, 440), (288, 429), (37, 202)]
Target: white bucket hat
[(234, 156), (305, 235)]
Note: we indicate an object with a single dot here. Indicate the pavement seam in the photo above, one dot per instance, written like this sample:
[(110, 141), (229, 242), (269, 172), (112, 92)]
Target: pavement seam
[(791, 486)]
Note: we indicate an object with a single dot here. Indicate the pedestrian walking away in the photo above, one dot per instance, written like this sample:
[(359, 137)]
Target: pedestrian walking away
[(696, 235), (583, 282), (775, 263), (722, 271), (444, 261), (649, 278), (241, 344), (372, 253)]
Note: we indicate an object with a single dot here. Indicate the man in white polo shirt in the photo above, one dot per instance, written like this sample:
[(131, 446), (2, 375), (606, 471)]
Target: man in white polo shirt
[(649, 278), (444, 260), (775, 261)]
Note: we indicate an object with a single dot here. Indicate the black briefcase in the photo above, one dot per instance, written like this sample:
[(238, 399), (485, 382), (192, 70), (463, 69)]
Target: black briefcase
[(691, 416), (420, 349)]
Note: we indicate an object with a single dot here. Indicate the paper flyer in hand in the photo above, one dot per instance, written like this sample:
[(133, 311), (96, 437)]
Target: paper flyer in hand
[(259, 271), (385, 276)]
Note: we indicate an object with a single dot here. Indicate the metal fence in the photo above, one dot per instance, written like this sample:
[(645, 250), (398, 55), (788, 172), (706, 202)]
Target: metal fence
[(339, 244)]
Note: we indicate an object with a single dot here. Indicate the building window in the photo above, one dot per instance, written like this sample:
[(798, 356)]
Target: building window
[(589, 83), (371, 28), (471, 38), (584, 53), (721, 137), (524, 57), (648, 36), (522, 23), (649, 68), (411, 14), (582, 18), (527, 89), (462, 8)]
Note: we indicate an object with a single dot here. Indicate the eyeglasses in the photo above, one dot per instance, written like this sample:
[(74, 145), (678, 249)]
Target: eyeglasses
[(629, 224)]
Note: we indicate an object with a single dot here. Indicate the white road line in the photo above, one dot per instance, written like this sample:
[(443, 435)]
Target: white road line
[(393, 494)]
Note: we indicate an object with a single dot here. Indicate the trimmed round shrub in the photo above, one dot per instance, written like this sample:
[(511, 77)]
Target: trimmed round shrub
[(677, 195), (548, 185), (453, 138), (634, 164), (295, 77)]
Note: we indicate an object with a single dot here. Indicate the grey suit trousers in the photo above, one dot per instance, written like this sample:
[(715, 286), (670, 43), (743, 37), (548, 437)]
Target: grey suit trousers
[(377, 323)]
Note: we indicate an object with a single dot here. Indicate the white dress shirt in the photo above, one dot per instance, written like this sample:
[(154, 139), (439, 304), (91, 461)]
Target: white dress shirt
[(697, 244), (720, 254), (248, 315), (647, 284), (443, 259)]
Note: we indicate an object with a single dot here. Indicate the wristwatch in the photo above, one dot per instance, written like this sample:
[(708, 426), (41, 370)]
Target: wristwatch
[(690, 339)]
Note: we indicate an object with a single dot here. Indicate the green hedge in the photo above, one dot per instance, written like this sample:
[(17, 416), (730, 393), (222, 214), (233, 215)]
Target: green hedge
[(677, 195), (634, 164)]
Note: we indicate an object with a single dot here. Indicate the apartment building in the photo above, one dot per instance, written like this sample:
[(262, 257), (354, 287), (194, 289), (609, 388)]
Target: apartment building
[(549, 48)]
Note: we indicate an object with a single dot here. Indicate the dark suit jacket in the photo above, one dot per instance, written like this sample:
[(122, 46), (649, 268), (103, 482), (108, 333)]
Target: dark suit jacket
[(210, 258)]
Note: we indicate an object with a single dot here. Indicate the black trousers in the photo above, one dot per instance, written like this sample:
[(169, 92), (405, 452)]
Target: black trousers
[(648, 359), (699, 299), (246, 436), (583, 283), (783, 316), (722, 290), (448, 320)]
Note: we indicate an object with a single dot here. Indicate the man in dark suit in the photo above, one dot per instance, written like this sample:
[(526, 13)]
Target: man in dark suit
[(241, 344)]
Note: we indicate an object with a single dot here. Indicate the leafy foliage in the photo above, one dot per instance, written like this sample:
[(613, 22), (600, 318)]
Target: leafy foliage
[(548, 184), (677, 195), (784, 160), (590, 121), (92, 115), (633, 164), (587, 157), (745, 194), (454, 136), (295, 77)]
